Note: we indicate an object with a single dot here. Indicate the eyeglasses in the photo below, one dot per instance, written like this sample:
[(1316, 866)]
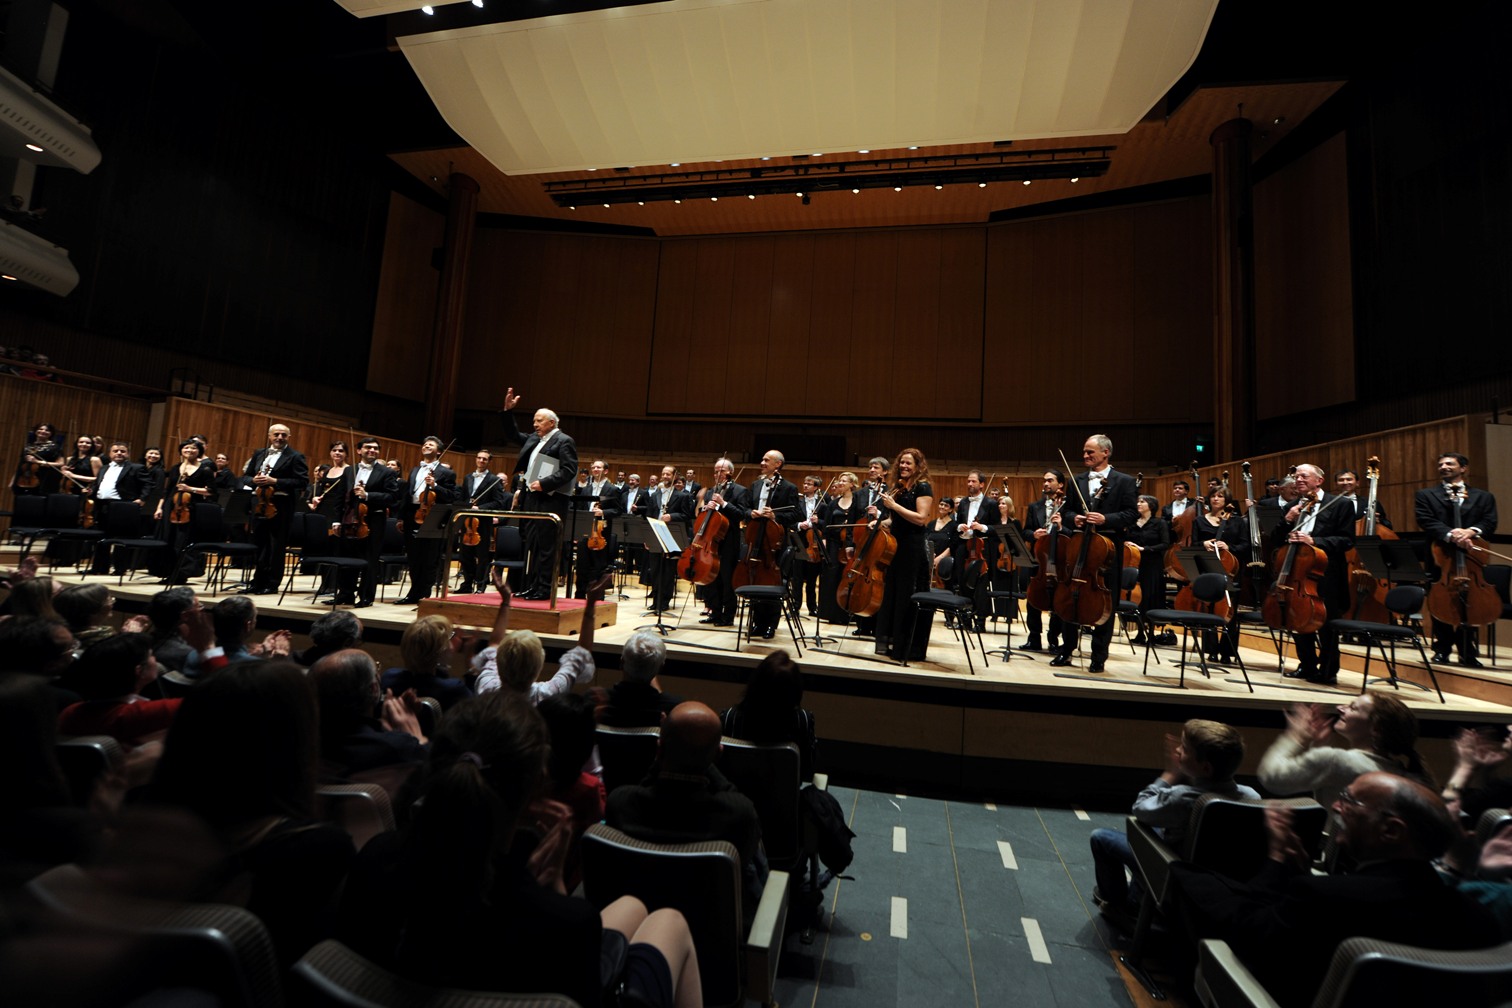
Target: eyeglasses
[(1348, 798)]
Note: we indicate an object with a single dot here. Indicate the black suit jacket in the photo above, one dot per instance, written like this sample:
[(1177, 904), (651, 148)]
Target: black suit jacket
[(783, 499), (676, 504), (1117, 505), (1333, 533), (131, 485), (609, 499), (446, 490), (383, 492), (291, 472), (642, 501), (560, 447), (483, 493), (987, 514), (1167, 514), (1435, 515)]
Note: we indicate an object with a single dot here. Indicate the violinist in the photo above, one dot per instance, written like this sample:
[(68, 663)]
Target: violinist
[(877, 471), (1112, 518), (974, 514), (285, 471), (1043, 520), (690, 484), (1221, 531), (907, 506), (37, 473), (122, 484), (842, 509), (225, 476), (1435, 515), (591, 563), (83, 466), (330, 506), (191, 480), (371, 484), (549, 462), (1152, 534), (1312, 521), (775, 499), (731, 500), (1347, 483), (432, 485), (806, 570), (481, 490)]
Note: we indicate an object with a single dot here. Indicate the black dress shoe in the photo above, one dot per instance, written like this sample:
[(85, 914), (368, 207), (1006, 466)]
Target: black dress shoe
[(858, 632), (363, 604), (708, 619), (1060, 661), (1032, 644), (1296, 673), (1323, 680), (1471, 662), (768, 634), (721, 622), (344, 600), (1096, 666)]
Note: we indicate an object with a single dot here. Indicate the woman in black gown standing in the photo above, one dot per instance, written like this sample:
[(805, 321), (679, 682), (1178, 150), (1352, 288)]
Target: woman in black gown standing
[(837, 514), (907, 508)]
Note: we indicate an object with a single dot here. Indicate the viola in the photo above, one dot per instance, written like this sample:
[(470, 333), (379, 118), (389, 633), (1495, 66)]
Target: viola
[(699, 563), (1462, 596), (1081, 596), (355, 524), (1005, 512), (1293, 602), (861, 582), (763, 541)]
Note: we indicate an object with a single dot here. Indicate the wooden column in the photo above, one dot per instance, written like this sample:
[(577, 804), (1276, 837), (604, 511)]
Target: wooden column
[(1233, 292), (451, 301)]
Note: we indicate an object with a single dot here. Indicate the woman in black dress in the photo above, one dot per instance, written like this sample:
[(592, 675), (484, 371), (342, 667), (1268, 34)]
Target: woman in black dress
[(191, 478), (1226, 534), (907, 508), (841, 510), (83, 466), (1152, 534)]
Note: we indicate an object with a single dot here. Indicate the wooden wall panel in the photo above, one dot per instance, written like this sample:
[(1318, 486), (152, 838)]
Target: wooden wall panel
[(915, 359), (1303, 299), (961, 378), (676, 333), (1170, 362), (404, 313), (791, 309), (872, 312), (750, 320), (708, 378)]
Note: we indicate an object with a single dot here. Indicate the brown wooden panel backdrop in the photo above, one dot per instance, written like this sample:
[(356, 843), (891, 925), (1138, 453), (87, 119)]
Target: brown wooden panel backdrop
[(74, 411), (406, 300)]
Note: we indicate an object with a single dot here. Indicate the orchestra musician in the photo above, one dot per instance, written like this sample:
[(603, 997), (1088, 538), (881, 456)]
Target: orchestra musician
[(843, 509), (225, 476), (731, 500), (876, 481), (83, 465), (122, 484), (482, 490), (974, 514), (806, 572), (191, 476), (1038, 524), (774, 498), (1435, 516), (157, 476), (671, 505), (1181, 499), (940, 534), (543, 492), (908, 505), (324, 503), (1222, 530), (285, 470), (1330, 529), (40, 461), (1347, 484), (423, 552), (1112, 518), (690, 484), (591, 564), (371, 483), (1152, 534)]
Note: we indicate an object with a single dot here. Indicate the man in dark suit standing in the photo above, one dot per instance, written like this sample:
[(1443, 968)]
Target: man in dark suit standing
[(1316, 520), (776, 500), (546, 489), (1180, 501), (482, 490), (375, 485), (1041, 521), (1434, 508), (424, 552), (591, 564), (122, 486), (729, 499), (675, 507), (1110, 498), (285, 471)]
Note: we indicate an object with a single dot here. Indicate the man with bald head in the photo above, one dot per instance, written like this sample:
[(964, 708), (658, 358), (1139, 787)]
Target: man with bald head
[(1320, 520), (685, 798), (548, 467), (1392, 827)]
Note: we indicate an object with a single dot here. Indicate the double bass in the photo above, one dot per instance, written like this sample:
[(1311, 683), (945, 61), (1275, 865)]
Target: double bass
[(1081, 596), (862, 581), (1041, 591), (1252, 590), (1368, 591), (1462, 597), (1181, 529), (763, 542)]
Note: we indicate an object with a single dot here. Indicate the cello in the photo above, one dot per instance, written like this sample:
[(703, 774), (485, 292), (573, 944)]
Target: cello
[(1462, 597), (1041, 590), (763, 541), (699, 563), (1293, 602), (1181, 529), (862, 581), (1082, 597)]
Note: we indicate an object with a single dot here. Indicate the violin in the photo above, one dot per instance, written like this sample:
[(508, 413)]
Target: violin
[(1461, 596), (861, 582), (1041, 591), (699, 563), (26, 477), (763, 541), (1293, 602), (596, 540), (1082, 597), (265, 506), (1369, 591), (86, 513), (182, 499), (1005, 512), (1132, 553), (471, 536)]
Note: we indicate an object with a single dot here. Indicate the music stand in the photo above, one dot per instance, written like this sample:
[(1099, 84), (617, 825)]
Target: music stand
[(236, 513), (1196, 561), (1011, 540), (660, 540), (579, 523)]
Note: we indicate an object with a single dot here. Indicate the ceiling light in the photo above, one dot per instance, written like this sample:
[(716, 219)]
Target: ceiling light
[(640, 203), (428, 9), (713, 199), (939, 187), (1076, 178), (593, 169), (855, 192), (750, 195), (6, 276), (606, 206), (863, 151), (981, 185), (897, 188), (1026, 181), (34, 147), (676, 164), (677, 201), (799, 195), (477, 3), (913, 148), (766, 157)]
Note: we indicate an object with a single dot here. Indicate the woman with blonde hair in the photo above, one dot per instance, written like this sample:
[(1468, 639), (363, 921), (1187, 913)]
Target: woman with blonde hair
[(426, 649)]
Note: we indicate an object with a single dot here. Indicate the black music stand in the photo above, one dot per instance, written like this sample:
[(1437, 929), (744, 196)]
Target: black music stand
[(660, 540), (236, 513), (579, 522), (1011, 540), (1196, 561)]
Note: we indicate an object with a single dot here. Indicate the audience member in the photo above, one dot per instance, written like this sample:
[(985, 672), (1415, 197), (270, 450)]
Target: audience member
[(234, 617), (427, 648), (1480, 779), (1286, 922), (241, 755), (573, 778), (1201, 761), (87, 609), (166, 610), (515, 660), (637, 700), (361, 726), (334, 631), (32, 598), (771, 711), (44, 647), (110, 675), (450, 903)]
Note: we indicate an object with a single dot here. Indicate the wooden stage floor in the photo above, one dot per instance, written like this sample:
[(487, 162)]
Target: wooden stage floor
[(934, 726)]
